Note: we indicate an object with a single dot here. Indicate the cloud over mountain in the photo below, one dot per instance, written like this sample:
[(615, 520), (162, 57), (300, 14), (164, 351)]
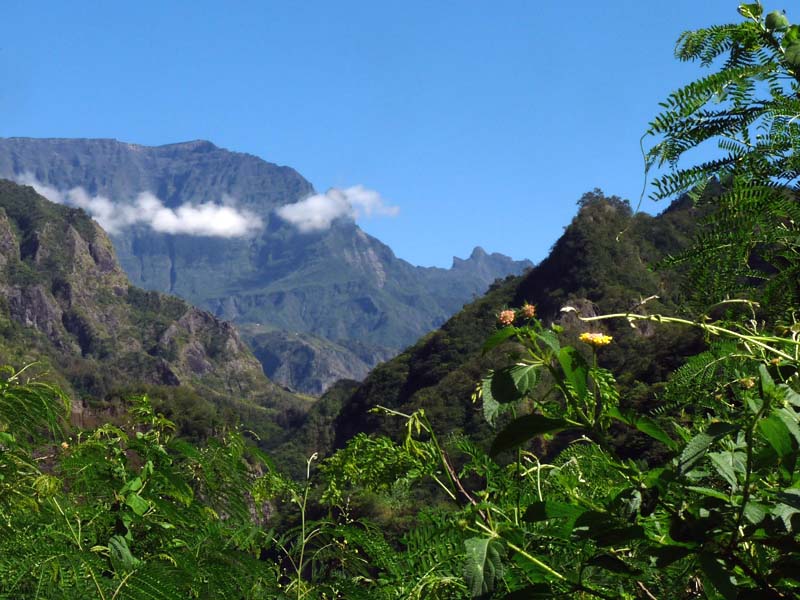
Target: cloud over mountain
[(318, 212), (205, 219)]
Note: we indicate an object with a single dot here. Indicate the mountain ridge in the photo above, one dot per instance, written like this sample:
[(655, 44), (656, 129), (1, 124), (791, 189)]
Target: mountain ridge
[(339, 284)]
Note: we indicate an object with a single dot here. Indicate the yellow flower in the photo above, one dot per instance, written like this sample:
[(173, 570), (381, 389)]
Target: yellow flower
[(528, 310), (506, 317), (64, 445), (596, 339)]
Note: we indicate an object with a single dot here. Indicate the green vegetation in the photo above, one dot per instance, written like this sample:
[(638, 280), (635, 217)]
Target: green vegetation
[(593, 460)]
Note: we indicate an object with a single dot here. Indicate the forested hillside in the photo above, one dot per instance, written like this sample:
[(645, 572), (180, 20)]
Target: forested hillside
[(67, 306)]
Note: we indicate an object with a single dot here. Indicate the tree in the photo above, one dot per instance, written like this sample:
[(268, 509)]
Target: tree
[(749, 107)]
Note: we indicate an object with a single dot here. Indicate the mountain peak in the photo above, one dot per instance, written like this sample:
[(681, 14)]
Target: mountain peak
[(477, 253), (479, 259)]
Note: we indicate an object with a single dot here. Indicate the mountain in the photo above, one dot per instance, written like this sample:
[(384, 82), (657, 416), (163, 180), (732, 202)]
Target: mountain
[(602, 263), (338, 286), (66, 305)]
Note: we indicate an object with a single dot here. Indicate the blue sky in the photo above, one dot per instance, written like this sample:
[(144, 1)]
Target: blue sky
[(483, 122)]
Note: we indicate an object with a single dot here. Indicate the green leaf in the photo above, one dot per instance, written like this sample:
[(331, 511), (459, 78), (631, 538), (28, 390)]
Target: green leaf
[(120, 554), (484, 565), (576, 371), (711, 493), (755, 512), (627, 503), (512, 383), (613, 564), (792, 35), (604, 529), (498, 337), (650, 427), (766, 381), (786, 513), (615, 413), (550, 339), (723, 463), (523, 429), (666, 555), (176, 486), (776, 21), (698, 445), (777, 435), (792, 55), (718, 575), (544, 511), (137, 504), (134, 485), (789, 418), (524, 377), (751, 11), (791, 497), (541, 511), (791, 396)]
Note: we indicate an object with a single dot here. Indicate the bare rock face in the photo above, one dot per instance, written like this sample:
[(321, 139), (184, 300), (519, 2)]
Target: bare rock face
[(9, 249), (34, 307)]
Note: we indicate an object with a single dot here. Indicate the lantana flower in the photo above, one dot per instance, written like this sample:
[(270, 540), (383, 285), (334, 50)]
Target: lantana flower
[(506, 317), (596, 339), (528, 310)]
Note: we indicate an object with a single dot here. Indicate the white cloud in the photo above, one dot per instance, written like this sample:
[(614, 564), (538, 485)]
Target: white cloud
[(206, 219), (318, 212)]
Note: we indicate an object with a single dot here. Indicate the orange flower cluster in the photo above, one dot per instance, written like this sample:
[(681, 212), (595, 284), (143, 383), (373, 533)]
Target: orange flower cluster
[(506, 317), (528, 311)]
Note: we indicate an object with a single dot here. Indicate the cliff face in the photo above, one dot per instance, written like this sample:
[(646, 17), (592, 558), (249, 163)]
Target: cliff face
[(339, 285), (65, 302)]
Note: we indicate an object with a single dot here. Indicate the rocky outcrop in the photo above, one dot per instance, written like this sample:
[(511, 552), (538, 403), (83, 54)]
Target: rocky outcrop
[(308, 364), (9, 249), (65, 300)]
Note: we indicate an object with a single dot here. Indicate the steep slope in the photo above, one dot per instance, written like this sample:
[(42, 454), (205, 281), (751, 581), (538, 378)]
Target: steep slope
[(601, 263), (305, 361), (339, 284), (66, 303)]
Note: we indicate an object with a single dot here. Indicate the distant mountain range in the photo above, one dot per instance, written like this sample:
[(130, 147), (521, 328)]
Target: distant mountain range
[(315, 305)]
